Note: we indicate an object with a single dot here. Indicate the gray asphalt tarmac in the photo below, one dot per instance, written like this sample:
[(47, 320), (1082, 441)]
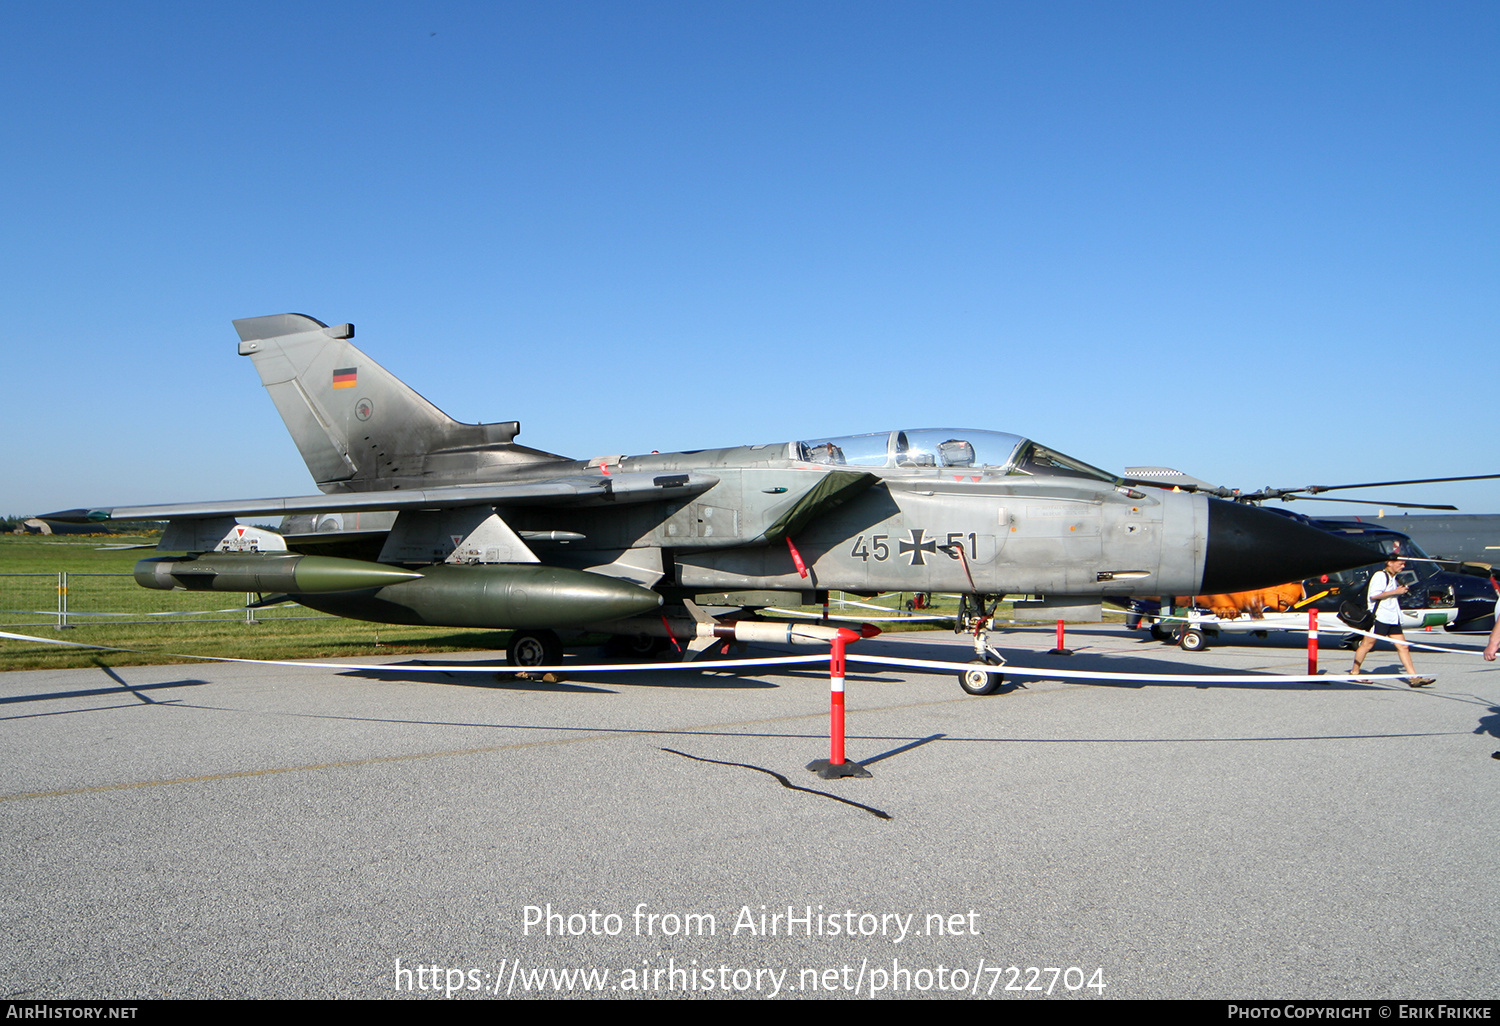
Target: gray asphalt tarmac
[(226, 830)]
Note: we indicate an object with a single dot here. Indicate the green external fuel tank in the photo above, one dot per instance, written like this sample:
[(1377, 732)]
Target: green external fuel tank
[(504, 595), (517, 596), (291, 573)]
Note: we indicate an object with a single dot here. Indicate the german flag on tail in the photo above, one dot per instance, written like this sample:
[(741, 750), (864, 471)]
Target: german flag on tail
[(346, 377)]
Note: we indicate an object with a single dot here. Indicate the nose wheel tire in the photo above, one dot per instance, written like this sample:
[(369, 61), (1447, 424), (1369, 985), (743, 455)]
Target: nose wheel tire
[(533, 648), (979, 679)]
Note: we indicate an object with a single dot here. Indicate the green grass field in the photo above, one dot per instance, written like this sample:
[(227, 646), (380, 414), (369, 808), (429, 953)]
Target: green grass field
[(33, 553), (172, 626), (180, 624)]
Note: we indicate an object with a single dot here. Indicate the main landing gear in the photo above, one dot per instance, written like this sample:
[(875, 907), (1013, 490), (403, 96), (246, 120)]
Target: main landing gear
[(534, 648)]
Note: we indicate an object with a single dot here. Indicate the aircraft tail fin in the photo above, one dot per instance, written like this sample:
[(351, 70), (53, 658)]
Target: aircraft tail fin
[(357, 425)]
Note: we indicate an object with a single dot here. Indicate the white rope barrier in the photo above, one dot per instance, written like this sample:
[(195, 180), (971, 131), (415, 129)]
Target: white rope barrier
[(871, 660), (1337, 627), (1035, 671), (1344, 628)]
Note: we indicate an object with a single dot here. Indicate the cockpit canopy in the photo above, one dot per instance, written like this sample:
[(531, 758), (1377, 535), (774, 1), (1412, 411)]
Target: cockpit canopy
[(995, 452)]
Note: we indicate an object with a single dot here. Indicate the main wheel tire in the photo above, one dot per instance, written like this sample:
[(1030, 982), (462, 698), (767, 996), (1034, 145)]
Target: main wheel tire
[(1161, 633), (979, 679), (533, 648), (1193, 641)]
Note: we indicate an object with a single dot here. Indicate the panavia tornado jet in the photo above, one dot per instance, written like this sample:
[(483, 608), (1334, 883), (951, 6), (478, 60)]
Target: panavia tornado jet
[(424, 520)]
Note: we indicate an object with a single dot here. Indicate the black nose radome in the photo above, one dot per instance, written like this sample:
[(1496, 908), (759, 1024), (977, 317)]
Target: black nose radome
[(1251, 548)]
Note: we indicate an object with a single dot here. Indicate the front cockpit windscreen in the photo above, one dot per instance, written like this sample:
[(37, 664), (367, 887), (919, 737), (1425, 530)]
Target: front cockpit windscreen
[(960, 448), (1044, 462)]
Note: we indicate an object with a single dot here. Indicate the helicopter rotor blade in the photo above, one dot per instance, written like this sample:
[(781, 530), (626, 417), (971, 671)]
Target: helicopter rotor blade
[(1289, 493), (1314, 489), (1369, 502), (1381, 484)]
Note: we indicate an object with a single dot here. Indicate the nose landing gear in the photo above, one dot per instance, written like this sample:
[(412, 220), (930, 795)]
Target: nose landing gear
[(975, 612)]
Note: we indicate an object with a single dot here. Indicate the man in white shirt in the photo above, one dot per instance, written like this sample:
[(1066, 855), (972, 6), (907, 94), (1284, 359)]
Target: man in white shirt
[(1382, 595)]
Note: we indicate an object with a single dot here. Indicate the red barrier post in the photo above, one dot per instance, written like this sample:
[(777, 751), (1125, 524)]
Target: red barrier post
[(836, 701), (836, 765), (1312, 642), (1061, 649)]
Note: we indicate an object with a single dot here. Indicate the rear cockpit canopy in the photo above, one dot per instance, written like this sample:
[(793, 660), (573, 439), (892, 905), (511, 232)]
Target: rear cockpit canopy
[(995, 452)]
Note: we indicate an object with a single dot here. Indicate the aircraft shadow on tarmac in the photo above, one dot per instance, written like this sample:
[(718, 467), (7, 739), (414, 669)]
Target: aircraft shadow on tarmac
[(506, 678), (1143, 664), (1201, 682), (751, 678)]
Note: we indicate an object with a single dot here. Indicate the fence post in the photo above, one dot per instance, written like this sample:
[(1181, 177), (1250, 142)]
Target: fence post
[(62, 599)]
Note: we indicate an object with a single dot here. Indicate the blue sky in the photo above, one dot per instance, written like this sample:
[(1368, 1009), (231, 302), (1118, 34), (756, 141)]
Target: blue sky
[(1259, 242)]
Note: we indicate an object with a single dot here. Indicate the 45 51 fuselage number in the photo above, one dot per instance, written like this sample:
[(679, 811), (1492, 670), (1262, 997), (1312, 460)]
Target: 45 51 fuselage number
[(915, 547)]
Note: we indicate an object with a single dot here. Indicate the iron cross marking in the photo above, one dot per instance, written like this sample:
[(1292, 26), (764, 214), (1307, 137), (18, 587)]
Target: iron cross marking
[(917, 546)]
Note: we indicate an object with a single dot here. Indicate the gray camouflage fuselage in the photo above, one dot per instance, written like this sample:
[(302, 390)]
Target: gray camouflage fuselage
[(1018, 534), (481, 518)]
